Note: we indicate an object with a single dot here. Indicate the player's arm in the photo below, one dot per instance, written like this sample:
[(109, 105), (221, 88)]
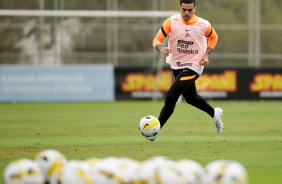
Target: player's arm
[(212, 36), (161, 35)]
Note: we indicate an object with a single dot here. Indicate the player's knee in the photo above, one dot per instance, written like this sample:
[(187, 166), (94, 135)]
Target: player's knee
[(192, 99), (189, 100)]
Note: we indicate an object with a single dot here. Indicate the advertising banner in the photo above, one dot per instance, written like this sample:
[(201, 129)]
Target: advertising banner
[(62, 83), (141, 83), (214, 83), (264, 83)]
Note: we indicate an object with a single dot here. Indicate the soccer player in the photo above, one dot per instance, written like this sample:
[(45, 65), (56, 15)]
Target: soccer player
[(191, 40)]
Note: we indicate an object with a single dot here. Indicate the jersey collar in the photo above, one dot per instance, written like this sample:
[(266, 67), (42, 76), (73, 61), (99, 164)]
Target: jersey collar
[(192, 21)]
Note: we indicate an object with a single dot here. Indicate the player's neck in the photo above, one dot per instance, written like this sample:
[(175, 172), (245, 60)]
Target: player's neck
[(191, 21)]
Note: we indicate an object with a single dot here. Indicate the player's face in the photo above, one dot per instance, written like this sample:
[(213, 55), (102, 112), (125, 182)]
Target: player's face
[(187, 10)]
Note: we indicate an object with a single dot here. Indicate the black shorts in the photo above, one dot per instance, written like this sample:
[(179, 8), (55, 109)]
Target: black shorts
[(184, 83)]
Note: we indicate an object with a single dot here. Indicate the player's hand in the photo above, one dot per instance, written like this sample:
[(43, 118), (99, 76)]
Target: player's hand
[(205, 60), (165, 51)]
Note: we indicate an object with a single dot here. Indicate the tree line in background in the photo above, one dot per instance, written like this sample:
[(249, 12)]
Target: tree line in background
[(93, 38)]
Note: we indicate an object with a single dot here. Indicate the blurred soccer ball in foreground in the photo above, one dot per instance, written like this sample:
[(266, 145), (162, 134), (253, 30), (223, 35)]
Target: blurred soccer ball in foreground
[(149, 126), (23, 171), (50, 161), (225, 172)]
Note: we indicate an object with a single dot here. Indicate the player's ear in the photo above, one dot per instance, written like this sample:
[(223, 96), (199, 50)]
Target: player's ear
[(195, 8)]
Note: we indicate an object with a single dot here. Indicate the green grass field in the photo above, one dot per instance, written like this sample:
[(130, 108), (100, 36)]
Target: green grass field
[(252, 134)]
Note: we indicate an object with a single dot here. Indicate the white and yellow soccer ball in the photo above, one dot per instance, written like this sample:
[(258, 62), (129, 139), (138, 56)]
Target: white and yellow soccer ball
[(106, 171), (149, 126), (191, 171), (50, 161), (23, 171), (76, 172), (158, 169), (225, 172)]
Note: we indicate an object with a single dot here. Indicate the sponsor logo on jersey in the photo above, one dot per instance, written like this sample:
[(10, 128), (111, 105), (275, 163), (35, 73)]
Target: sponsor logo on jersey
[(187, 33), (184, 44), (183, 47), (183, 64)]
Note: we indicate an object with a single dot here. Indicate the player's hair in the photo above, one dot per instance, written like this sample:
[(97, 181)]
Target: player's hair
[(188, 2)]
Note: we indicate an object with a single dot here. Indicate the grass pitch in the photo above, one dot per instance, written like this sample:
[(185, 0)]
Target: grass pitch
[(252, 134)]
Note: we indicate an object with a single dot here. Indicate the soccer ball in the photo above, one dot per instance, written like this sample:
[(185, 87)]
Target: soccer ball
[(149, 126), (158, 169), (192, 171), (76, 172), (50, 161), (225, 172), (23, 171)]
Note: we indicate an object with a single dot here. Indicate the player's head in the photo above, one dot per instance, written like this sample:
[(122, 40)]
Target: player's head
[(187, 9), (188, 2)]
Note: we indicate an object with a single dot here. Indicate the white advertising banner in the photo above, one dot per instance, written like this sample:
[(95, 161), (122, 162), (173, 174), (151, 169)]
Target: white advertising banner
[(61, 83)]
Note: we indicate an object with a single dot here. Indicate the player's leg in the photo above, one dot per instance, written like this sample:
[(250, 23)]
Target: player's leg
[(183, 79), (192, 97)]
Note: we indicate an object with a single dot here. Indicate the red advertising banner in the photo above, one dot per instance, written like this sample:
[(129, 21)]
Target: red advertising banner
[(142, 83), (221, 84), (268, 85), (217, 85)]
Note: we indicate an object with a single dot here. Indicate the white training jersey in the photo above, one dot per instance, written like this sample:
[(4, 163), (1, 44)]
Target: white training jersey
[(188, 44)]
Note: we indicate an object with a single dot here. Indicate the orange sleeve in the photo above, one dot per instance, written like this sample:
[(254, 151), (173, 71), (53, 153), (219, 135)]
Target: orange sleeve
[(212, 36), (162, 33)]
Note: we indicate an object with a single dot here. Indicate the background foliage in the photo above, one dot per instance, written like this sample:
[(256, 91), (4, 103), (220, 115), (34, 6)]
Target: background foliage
[(87, 40)]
